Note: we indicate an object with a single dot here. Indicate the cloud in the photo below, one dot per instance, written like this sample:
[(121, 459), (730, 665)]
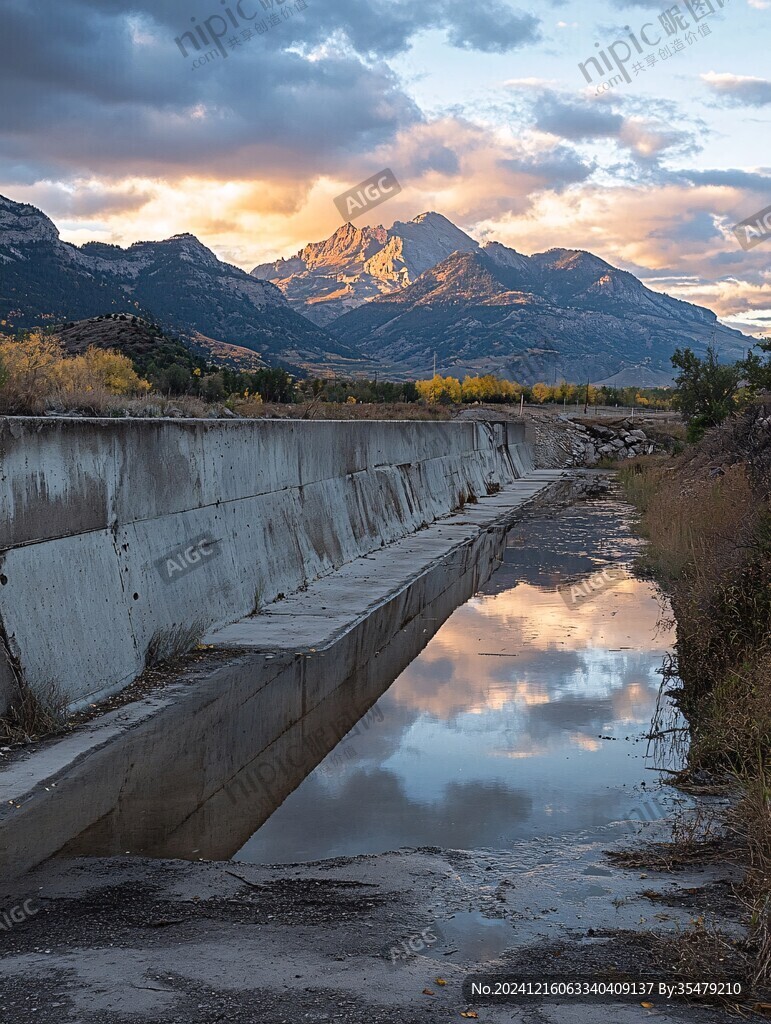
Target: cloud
[(383, 28), (673, 232), (578, 122), (589, 121), (755, 181), (104, 85), (529, 83), (739, 90), (114, 133), (491, 27)]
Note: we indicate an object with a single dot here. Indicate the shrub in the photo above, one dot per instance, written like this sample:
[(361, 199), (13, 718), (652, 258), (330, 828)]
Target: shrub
[(31, 364), (38, 372), (101, 369)]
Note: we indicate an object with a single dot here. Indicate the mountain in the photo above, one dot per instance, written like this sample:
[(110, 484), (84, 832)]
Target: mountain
[(561, 313), (326, 279), (178, 282)]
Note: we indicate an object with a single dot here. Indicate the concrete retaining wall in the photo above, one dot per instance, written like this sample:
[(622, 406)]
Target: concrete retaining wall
[(121, 539)]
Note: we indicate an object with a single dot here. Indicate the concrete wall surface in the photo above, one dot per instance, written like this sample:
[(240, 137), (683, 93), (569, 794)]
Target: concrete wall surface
[(121, 540)]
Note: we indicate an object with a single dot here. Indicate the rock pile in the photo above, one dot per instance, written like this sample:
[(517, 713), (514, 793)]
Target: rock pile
[(595, 442), (559, 441), (590, 485)]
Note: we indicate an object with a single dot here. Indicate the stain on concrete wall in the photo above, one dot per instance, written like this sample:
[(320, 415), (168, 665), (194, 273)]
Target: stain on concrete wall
[(102, 522)]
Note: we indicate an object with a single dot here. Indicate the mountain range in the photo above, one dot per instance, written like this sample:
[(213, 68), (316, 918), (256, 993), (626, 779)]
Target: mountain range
[(326, 279), (366, 301), (425, 288), (561, 313), (178, 283)]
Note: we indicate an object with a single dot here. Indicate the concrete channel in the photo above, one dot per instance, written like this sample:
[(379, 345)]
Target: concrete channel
[(193, 768)]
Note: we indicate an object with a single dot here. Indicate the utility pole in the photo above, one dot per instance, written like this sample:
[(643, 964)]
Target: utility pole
[(586, 403)]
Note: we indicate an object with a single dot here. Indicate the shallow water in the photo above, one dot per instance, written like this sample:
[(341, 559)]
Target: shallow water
[(525, 716)]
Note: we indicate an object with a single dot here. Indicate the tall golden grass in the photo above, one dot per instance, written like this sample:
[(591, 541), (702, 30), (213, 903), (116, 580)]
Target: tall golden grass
[(709, 533)]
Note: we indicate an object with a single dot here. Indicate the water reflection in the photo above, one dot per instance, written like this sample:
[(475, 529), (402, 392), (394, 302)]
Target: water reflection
[(523, 716)]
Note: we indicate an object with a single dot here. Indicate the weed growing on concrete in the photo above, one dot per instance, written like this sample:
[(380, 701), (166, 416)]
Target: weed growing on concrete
[(168, 644), (466, 497), (34, 716)]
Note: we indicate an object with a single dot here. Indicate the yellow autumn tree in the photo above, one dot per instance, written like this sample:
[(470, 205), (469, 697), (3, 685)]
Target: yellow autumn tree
[(490, 389), (101, 369), (540, 392), (31, 368), (441, 390)]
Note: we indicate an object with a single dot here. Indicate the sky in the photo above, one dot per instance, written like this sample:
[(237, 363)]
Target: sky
[(114, 124)]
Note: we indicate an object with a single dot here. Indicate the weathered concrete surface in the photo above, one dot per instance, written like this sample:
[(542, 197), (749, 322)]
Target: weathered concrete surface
[(168, 774), (97, 516), (168, 942)]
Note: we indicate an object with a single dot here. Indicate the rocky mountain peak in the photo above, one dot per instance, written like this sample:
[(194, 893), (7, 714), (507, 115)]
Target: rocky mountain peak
[(414, 246), (505, 256), (346, 244), (325, 279), (22, 224), (185, 246)]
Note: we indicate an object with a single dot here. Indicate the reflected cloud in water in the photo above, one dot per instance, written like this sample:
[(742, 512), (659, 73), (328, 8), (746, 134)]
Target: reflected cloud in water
[(521, 717)]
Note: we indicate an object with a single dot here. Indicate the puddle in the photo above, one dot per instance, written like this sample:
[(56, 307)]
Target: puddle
[(471, 936), (525, 716)]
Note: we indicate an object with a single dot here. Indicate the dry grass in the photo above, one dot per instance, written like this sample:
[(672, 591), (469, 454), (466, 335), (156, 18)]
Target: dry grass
[(708, 519), (98, 402), (32, 716), (168, 644), (703, 952), (317, 410), (700, 526), (751, 823)]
